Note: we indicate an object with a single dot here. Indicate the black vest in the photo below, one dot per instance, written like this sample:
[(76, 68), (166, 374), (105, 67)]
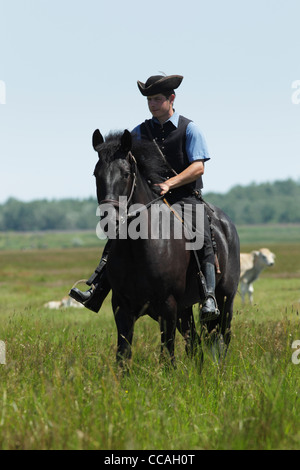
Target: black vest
[(172, 142)]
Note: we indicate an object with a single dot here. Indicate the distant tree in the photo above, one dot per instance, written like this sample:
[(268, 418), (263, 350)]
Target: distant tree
[(265, 203)]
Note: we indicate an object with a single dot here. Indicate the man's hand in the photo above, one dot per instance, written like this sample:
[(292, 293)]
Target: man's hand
[(164, 188), (190, 174)]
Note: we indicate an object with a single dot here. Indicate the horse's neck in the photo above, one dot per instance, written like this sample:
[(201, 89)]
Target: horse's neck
[(142, 193), (142, 221)]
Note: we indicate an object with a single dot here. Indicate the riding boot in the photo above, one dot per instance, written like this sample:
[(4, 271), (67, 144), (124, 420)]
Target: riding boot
[(209, 309), (100, 286)]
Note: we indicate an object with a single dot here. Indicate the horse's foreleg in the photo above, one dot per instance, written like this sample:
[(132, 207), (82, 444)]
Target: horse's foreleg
[(186, 327), (168, 321), (125, 325), (219, 332)]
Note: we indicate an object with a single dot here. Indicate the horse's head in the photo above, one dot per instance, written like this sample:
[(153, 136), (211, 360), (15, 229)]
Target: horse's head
[(115, 174), (114, 170)]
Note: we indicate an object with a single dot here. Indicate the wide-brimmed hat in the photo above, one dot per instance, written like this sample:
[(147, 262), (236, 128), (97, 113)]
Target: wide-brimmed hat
[(159, 84)]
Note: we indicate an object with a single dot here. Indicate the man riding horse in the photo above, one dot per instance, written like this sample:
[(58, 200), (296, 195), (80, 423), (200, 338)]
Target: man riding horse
[(183, 147)]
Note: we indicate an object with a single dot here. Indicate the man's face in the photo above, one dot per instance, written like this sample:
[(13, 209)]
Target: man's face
[(160, 106)]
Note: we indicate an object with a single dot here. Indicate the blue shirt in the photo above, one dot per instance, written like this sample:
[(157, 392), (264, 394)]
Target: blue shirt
[(196, 147)]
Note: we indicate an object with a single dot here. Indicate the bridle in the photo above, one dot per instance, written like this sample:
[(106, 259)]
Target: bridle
[(115, 202), (125, 208)]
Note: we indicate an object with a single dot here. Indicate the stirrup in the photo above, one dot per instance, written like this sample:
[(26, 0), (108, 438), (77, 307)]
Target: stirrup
[(204, 317), (81, 281), (74, 295)]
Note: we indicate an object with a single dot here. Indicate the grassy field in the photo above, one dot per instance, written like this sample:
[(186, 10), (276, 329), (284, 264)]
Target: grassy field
[(60, 387), (249, 234)]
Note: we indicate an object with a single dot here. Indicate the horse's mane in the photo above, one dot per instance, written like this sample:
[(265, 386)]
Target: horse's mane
[(149, 160)]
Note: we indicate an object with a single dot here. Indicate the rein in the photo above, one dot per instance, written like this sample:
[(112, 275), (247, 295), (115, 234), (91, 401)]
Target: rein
[(146, 206)]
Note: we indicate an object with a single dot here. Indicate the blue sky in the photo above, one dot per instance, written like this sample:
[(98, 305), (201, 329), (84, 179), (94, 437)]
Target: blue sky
[(70, 67)]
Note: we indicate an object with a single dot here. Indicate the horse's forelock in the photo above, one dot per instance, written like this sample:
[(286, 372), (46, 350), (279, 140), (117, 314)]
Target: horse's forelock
[(110, 146), (113, 136)]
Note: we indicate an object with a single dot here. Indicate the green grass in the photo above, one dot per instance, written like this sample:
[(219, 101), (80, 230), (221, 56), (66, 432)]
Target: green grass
[(50, 239), (61, 389), (257, 235), (269, 234)]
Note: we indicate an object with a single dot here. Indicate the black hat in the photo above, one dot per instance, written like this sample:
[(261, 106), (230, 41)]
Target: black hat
[(159, 84)]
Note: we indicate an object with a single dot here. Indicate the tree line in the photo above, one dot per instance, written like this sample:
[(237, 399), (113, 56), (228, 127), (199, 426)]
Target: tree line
[(266, 203)]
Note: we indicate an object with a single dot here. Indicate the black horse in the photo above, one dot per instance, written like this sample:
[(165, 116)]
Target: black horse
[(157, 275)]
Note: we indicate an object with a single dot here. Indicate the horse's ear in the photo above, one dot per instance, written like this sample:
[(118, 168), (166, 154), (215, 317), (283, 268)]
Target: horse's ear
[(97, 139), (126, 141)]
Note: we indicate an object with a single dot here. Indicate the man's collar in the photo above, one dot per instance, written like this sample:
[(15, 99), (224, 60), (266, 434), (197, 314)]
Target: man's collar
[(173, 119)]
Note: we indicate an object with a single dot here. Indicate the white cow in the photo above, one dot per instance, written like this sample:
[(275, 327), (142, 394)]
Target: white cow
[(252, 265), (65, 302)]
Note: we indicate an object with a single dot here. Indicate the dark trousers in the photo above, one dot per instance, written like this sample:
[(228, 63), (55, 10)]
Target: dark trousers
[(206, 253)]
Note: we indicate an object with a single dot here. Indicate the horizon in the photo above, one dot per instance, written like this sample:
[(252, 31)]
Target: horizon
[(244, 186)]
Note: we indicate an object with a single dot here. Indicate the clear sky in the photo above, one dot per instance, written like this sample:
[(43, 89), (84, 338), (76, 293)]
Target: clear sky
[(68, 67)]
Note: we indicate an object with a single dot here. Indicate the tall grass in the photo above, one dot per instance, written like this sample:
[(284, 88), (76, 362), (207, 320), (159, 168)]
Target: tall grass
[(61, 389)]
